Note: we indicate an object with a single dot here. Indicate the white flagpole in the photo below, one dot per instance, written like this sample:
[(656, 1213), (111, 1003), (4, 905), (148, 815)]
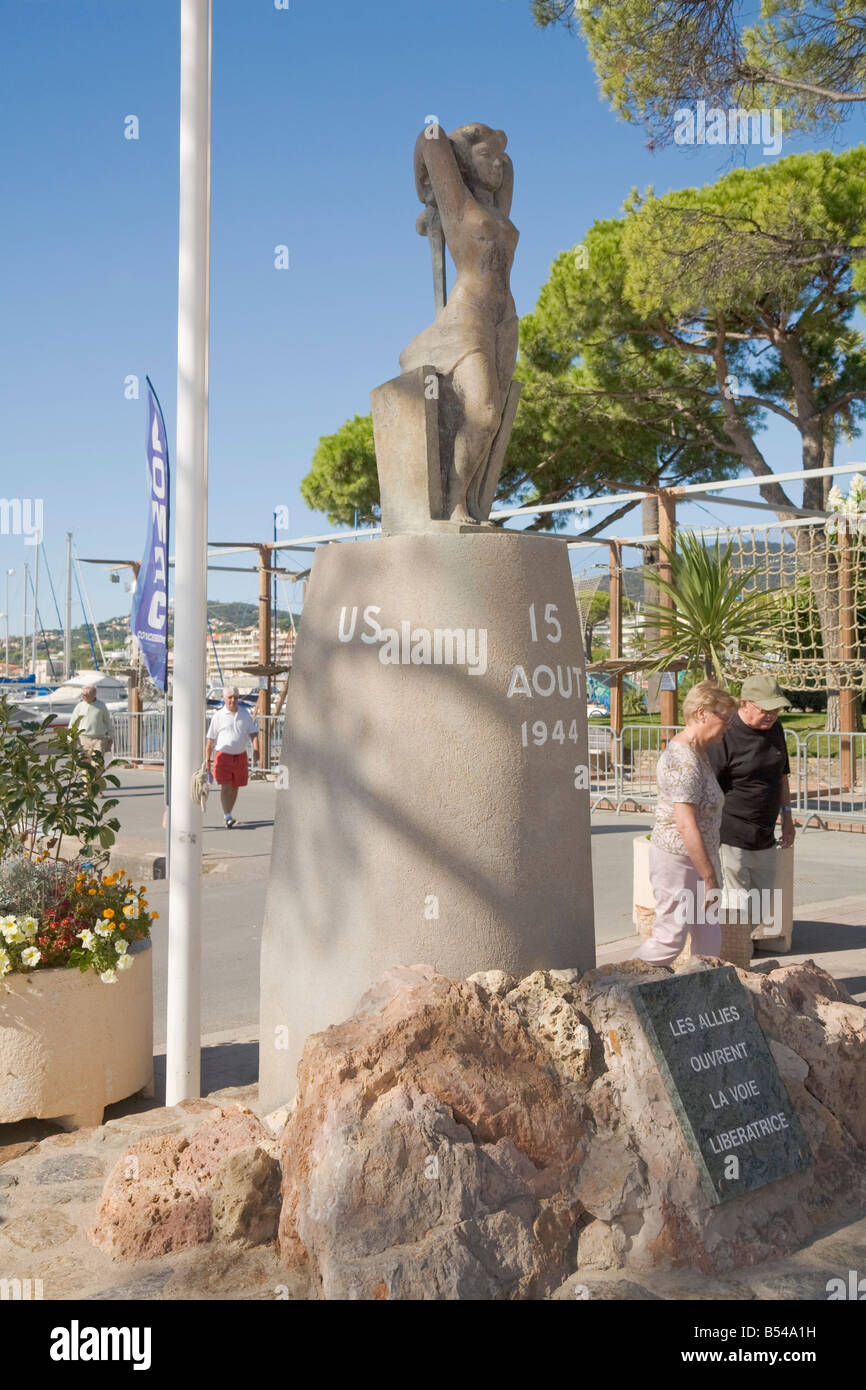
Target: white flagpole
[(183, 1061)]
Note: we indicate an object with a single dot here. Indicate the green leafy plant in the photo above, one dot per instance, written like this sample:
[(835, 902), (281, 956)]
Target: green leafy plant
[(633, 702), (715, 611), (49, 789)]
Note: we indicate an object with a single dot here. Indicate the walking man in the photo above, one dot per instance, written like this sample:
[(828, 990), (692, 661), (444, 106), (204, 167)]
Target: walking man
[(95, 732), (228, 732), (751, 764)]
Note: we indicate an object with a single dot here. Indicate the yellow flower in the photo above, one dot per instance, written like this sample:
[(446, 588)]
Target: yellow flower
[(110, 880), (154, 915)]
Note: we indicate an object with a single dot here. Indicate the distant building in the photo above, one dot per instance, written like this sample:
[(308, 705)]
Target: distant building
[(238, 649)]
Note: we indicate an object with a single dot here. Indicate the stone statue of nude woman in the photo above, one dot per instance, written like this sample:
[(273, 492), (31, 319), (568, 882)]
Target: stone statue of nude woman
[(466, 179)]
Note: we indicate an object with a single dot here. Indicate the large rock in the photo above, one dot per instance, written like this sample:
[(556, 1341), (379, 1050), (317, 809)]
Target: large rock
[(456, 1141), (429, 1152), (487, 1139), (158, 1196)]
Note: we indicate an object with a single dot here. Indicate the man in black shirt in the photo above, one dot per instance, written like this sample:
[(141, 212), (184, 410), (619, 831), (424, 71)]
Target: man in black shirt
[(751, 765)]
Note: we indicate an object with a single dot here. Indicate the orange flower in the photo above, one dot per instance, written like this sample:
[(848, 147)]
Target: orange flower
[(91, 892), (154, 915), (108, 912)]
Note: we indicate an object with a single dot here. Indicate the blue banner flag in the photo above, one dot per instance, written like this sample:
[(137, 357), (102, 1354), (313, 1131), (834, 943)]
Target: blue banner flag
[(149, 619)]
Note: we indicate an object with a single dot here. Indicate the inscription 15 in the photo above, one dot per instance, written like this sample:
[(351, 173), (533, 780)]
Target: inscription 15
[(550, 620)]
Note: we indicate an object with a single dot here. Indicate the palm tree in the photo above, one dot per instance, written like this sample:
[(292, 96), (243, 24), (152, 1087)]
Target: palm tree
[(713, 612)]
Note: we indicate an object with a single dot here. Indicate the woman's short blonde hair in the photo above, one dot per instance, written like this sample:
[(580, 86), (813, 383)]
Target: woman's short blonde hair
[(708, 695)]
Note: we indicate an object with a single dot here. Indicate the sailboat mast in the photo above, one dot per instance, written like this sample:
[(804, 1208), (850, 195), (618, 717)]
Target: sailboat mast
[(67, 631)]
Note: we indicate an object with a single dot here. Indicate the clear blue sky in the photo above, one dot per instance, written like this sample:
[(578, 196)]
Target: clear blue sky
[(315, 113)]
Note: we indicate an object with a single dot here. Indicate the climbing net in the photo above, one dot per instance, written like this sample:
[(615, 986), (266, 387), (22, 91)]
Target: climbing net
[(813, 573), (587, 583)]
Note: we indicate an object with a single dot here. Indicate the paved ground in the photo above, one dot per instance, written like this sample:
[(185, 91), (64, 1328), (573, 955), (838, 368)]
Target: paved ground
[(45, 1205), (830, 898)]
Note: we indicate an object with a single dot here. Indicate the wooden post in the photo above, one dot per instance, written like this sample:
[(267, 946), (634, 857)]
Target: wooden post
[(615, 623), (847, 638), (667, 533), (263, 705)]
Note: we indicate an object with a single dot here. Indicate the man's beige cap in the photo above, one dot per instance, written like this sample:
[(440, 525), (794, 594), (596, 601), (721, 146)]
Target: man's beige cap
[(764, 692)]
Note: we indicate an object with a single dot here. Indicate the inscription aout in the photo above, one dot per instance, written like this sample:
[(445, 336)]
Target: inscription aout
[(546, 680)]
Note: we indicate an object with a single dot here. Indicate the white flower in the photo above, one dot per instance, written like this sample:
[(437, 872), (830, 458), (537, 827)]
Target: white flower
[(88, 940), (29, 925), (125, 962), (11, 930), (31, 956), (835, 499), (121, 947), (109, 977), (5, 963), (104, 929)]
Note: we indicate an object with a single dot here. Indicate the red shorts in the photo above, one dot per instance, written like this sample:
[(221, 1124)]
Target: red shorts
[(231, 769)]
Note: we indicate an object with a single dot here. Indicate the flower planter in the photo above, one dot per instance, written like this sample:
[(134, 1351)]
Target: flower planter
[(70, 1044)]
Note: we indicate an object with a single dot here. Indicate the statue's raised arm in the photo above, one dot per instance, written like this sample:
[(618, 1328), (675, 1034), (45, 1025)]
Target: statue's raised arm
[(466, 178)]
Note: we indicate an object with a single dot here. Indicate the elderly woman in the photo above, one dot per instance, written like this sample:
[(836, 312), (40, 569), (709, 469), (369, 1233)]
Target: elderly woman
[(684, 845)]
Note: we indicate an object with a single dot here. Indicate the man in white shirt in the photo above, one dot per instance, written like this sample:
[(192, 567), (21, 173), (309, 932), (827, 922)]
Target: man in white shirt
[(228, 732)]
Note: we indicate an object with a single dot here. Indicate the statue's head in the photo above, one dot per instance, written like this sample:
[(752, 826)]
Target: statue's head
[(480, 154)]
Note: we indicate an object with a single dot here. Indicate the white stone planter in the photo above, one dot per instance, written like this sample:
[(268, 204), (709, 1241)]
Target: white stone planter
[(643, 897), (780, 944), (70, 1045)]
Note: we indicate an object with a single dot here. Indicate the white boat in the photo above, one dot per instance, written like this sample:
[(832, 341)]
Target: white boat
[(111, 690)]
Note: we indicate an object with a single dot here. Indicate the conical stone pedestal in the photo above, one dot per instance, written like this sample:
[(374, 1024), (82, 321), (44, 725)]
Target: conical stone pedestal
[(438, 806)]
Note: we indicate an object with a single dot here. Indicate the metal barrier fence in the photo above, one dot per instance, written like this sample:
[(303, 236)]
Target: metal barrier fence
[(271, 740), (832, 782), (827, 778), (140, 738)]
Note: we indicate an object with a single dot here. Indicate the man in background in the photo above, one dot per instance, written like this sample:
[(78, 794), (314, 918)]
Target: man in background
[(751, 765), (95, 732), (228, 732)]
